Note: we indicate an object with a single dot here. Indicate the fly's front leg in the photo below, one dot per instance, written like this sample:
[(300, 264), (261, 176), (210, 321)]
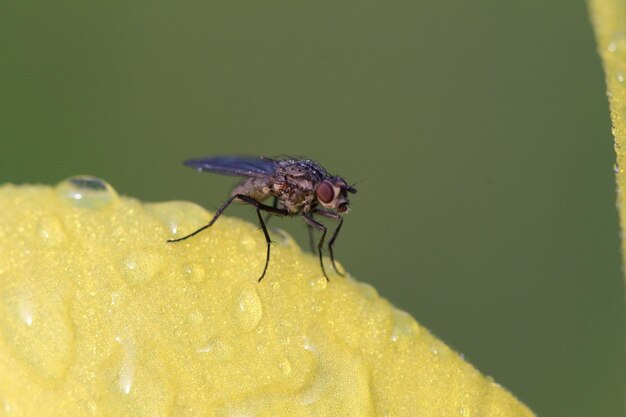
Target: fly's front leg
[(334, 216), (319, 226)]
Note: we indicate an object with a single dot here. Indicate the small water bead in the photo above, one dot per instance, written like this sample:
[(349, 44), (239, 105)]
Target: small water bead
[(217, 349), (92, 407), (87, 192), (368, 292), (51, 231), (437, 348), (178, 217), (194, 272), (403, 325), (249, 308), (285, 366), (318, 283), (26, 312), (282, 238), (38, 328), (8, 409), (195, 317), (134, 382), (617, 43), (249, 243), (465, 411), (127, 367), (140, 266)]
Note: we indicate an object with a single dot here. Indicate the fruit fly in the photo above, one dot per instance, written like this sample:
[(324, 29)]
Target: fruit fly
[(299, 187)]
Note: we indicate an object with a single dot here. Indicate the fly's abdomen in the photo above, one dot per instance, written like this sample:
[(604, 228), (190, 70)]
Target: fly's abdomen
[(256, 188)]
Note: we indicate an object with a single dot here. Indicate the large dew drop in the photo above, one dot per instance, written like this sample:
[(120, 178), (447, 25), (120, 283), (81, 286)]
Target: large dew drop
[(87, 192)]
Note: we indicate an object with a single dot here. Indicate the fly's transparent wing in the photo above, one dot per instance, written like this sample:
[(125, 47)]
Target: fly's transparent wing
[(235, 165)]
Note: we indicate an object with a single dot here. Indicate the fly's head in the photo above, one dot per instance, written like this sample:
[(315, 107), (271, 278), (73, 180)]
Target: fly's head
[(332, 193)]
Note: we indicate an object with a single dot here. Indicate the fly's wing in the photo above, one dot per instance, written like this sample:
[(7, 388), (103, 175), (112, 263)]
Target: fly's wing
[(243, 166)]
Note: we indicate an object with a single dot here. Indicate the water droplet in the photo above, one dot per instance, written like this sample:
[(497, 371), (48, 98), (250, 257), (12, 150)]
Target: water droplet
[(51, 231), (282, 238), (617, 43), (249, 308), (35, 322), (127, 368), (368, 292), (218, 349), (340, 268), (196, 317), (318, 283), (10, 410), (464, 411), (248, 242), (92, 407), (134, 381), (194, 272), (403, 325), (318, 388), (308, 345), (140, 266), (285, 366), (437, 348), (25, 309), (493, 383), (87, 192), (115, 298), (178, 217)]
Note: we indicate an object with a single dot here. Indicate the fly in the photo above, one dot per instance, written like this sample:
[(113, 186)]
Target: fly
[(299, 187)]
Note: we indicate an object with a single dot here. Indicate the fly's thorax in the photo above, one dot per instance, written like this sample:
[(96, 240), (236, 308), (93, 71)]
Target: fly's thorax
[(294, 199), (301, 168)]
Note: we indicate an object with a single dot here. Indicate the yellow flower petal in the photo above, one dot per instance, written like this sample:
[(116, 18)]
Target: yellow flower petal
[(99, 316), (609, 20)]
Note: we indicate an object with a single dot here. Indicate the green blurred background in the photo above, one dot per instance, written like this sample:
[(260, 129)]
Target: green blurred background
[(478, 134)]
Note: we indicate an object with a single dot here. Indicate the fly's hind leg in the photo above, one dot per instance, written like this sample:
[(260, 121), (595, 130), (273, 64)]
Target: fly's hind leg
[(259, 207), (218, 213)]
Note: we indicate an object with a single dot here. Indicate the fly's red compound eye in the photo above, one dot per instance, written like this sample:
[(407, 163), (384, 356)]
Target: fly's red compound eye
[(325, 192)]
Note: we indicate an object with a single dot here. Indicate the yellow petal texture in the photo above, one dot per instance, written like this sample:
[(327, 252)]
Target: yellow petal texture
[(609, 20), (99, 316)]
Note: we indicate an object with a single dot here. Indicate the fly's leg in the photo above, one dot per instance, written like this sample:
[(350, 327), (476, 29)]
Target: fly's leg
[(319, 226), (268, 241), (269, 215), (270, 210), (330, 246), (259, 206), (218, 213), (311, 242), (334, 216)]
